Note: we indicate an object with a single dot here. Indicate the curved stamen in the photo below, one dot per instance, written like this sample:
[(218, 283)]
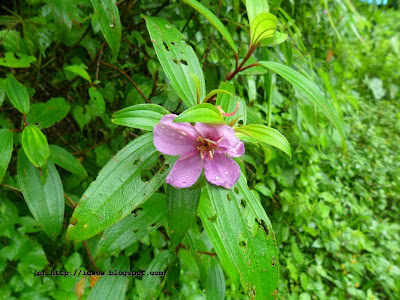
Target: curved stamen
[(228, 114)]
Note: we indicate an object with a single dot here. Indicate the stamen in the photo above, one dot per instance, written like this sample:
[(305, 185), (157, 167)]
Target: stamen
[(228, 114), (202, 154), (211, 154), (210, 141)]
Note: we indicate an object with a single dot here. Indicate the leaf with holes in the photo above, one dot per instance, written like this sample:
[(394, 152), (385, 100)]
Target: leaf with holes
[(181, 212), (67, 161), (6, 148), (16, 60), (35, 146), (17, 94), (205, 113), (311, 91), (112, 287), (247, 237), (120, 187), (144, 219), (178, 60), (46, 202), (214, 21), (141, 116), (110, 24), (262, 27), (45, 115), (97, 99), (264, 134)]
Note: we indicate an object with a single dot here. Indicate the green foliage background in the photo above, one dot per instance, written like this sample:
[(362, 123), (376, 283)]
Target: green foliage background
[(335, 215)]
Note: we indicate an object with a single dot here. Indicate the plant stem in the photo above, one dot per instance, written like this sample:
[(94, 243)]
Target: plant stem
[(240, 68)]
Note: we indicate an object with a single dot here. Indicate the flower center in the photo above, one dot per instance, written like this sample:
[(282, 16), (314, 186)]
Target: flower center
[(207, 147)]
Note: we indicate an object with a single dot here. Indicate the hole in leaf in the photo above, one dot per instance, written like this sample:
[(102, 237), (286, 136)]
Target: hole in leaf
[(175, 61), (243, 203), (136, 211), (166, 46), (145, 175), (173, 43), (156, 26), (213, 218), (273, 259), (263, 225), (228, 197), (236, 190), (243, 244), (184, 62)]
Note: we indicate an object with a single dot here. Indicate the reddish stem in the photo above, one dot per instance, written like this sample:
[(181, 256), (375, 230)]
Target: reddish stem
[(238, 69)]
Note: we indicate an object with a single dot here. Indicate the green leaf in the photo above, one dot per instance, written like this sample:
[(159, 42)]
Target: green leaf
[(45, 115), (247, 237), (6, 148), (256, 7), (152, 283), (46, 202), (97, 98), (16, 60), (146, 218), (62, 11), (311, 91), (35, 146), (228, 103), (141, 116), (112, 287), (208, 218), (262, 27), (178, 59), (181, 212), (110, 24), (120, 187), (264, 134), (216, 92), (204, 112), (214, 21), (17, 94), (78, 70), (67, 161), (215, 289)]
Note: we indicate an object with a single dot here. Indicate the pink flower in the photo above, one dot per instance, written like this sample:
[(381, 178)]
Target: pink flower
[(208, 146)]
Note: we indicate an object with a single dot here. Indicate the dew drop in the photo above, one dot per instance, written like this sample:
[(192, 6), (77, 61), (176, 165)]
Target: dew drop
[(216, 177), (112, 25)]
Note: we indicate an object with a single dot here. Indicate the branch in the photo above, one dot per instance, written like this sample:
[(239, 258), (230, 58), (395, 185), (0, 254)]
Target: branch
[(129, 78)]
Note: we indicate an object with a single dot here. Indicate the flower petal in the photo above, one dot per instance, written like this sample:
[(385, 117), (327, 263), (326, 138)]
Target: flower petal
[(224, 135), (221, 170), (186, 171), (174, 138)]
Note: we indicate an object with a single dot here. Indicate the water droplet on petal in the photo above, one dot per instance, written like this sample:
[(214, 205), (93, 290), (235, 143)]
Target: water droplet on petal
[(216, 177)]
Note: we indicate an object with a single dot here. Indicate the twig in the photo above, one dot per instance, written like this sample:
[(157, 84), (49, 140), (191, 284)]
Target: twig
[(90, 256), (98, 144), (98, 62), (11, 187), (73, 203), (127, 77)]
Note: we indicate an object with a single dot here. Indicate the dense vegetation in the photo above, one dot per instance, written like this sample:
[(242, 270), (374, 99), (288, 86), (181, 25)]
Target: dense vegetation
[(334, 209)]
